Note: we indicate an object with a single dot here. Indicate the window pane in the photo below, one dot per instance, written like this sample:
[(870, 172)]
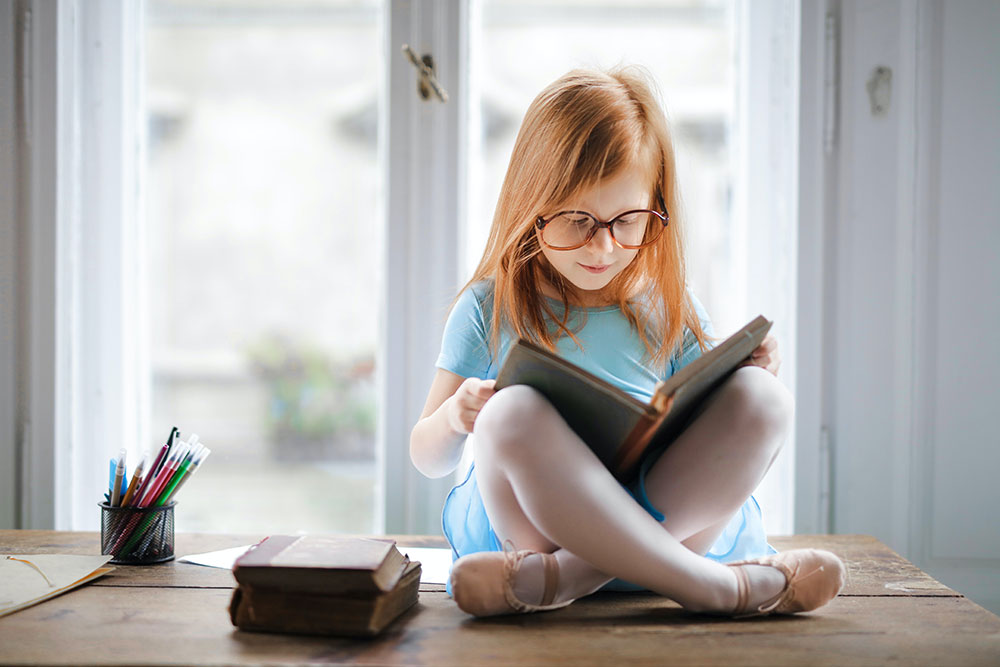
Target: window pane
[(263, 251), (687, 46)]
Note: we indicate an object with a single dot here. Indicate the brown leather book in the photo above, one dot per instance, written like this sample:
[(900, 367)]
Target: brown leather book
[(272, 610), (321, 565), (618, 427)]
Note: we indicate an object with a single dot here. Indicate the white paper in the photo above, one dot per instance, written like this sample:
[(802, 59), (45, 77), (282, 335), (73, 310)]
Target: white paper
[(224, 558), (435, 564)]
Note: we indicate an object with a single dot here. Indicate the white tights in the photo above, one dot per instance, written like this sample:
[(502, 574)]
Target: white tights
[(546, 491)]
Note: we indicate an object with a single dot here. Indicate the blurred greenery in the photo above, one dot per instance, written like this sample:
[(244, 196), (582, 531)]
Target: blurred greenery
[(314, 397)]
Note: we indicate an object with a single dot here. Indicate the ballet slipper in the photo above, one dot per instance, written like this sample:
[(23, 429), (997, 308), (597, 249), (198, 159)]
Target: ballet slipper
[(482, 583), (813, 578)]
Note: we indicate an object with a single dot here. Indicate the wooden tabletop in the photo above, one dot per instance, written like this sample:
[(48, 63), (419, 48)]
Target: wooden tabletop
[(176, 613)]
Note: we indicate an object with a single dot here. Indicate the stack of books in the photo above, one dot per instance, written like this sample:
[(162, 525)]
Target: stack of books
[(319, 585)]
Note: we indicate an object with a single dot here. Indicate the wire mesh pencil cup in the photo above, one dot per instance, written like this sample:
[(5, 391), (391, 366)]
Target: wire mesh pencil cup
[(138, 535)]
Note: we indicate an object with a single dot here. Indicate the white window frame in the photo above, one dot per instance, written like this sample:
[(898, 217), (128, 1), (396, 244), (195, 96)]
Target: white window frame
[(425, 196), (78, 223), (77, 350), (766, 207)]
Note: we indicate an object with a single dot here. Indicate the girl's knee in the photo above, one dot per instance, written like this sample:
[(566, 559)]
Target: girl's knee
[(510, 417), (761, 401)]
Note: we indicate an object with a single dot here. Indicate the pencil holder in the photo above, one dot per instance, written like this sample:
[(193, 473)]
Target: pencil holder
[(138, 535)]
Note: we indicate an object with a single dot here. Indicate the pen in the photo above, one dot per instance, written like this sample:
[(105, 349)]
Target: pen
[(171, 439), (167, 470), (151, 475), (183, 472), (136, 477), (191, 471), (116, 490)]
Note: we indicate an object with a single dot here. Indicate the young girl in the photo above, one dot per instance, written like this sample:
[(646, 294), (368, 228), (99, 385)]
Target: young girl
[(585, 256)]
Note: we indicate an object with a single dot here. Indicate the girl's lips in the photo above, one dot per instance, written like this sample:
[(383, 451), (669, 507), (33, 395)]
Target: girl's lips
[(596, 269)]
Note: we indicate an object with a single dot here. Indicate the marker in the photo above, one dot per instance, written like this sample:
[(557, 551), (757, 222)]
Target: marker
[(167, 471), (193, 469), (151, 475), (174, 433), (116, 490), (136, 477)]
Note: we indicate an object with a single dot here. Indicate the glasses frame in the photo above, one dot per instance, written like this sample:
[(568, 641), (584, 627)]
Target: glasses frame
[(663, 216)]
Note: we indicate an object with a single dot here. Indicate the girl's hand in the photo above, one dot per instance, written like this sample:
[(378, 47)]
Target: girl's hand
[(468, 400), (766, 355)]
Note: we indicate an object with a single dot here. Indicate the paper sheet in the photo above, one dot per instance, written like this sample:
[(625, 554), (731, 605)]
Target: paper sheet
[(434, 563), (43, 576), (224, 558)]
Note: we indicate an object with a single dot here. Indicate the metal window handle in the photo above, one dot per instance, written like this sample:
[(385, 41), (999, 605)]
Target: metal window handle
[(880, 90), (428, 80)]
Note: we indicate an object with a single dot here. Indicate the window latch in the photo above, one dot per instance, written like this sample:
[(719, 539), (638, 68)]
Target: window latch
[(427, 83)]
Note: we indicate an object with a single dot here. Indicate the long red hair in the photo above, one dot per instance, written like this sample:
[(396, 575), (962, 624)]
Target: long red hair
[(585, 127)]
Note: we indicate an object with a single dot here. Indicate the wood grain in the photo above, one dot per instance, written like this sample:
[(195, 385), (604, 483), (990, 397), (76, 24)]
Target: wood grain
[(174, 613)]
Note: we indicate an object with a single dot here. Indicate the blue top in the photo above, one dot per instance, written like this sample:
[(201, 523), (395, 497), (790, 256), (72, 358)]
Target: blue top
[(611, 349)]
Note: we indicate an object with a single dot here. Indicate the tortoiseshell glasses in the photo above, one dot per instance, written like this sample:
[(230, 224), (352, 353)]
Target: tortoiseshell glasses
[(569, 230)]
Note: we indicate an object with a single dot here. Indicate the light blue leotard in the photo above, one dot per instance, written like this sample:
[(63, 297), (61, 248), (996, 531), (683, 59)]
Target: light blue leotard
[(611, 349)]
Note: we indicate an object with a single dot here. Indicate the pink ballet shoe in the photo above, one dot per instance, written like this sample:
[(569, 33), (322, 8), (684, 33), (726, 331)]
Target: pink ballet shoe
[(813, 578), (482, 583)]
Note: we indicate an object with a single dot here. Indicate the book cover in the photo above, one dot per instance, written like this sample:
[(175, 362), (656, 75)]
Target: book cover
[(271, 610), (321, 564), (618, 427)]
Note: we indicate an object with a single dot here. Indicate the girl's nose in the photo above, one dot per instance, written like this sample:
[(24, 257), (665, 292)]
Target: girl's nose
[(602, 241)]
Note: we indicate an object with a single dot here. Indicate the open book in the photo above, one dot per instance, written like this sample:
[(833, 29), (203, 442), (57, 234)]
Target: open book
[(616, 425)]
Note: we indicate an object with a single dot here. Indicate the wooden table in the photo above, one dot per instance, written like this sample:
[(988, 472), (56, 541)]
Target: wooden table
[(176, 613)]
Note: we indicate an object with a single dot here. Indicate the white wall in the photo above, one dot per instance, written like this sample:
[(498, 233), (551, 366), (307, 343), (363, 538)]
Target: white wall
[(910, 368)]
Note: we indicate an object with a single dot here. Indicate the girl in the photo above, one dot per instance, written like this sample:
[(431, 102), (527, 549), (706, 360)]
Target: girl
[(585, 256)]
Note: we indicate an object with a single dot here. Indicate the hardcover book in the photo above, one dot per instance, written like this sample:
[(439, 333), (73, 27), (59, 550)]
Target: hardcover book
[(346, 615), (618, 427), (321, 565)]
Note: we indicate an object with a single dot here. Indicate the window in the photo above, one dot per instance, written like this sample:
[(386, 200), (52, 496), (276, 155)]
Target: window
[(271, 195), (263, 249), (689, 49)]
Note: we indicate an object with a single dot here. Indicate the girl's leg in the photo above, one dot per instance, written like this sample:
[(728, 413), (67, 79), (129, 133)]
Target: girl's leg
[(704, 477), (745, 411)]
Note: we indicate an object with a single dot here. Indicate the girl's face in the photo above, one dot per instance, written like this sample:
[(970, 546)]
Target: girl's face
[(592, 267)]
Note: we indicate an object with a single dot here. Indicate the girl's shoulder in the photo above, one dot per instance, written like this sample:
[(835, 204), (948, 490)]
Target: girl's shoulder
[(478, 294), (475, 303)]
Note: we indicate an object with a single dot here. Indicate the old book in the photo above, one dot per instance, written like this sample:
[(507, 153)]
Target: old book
[(321, 565), (618, 427), (272, 610)]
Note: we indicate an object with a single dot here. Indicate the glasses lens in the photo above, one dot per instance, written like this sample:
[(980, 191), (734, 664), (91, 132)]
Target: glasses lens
[(567, 230), (637, 228)]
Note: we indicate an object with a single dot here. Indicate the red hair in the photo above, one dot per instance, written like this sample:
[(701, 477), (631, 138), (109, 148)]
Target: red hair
[(583, 128)]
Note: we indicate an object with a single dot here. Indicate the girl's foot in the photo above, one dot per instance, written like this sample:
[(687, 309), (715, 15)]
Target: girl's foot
[(483, 584), (813, 577)]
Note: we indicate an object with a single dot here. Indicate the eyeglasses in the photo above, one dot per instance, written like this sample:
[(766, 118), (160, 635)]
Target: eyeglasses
[(569, 230)]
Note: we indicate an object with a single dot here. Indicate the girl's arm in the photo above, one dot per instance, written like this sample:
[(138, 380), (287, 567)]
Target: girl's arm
[(453, 403)]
